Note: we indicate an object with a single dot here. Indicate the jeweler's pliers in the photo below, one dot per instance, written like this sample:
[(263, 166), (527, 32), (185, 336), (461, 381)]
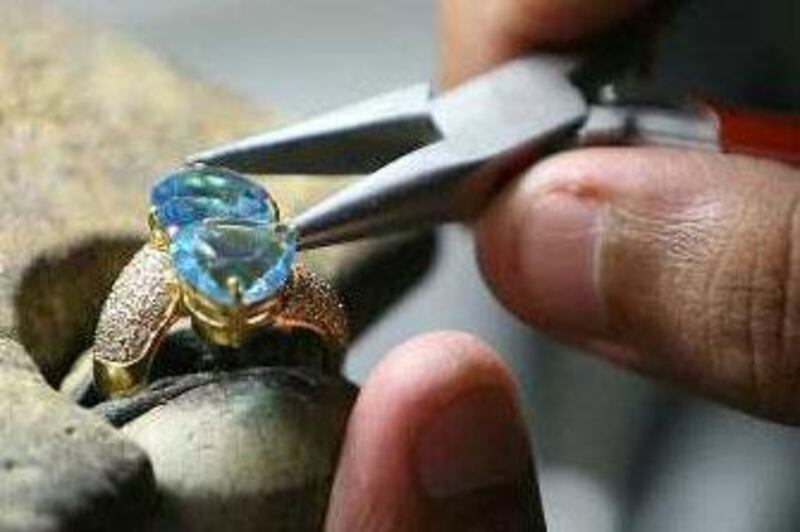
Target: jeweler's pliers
[(440, 158)]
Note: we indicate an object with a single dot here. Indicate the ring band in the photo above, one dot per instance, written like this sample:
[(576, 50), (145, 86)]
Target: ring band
[(150, 296), (146, 301)]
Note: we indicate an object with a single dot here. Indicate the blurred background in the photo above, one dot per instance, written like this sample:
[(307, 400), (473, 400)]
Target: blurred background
[(615, 452)]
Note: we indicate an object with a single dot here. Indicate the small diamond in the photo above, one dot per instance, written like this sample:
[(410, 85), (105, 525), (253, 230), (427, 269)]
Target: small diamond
[(259, 255), (194, 194)]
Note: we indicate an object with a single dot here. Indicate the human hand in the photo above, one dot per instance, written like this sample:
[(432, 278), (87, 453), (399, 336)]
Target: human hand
[(676, 264)]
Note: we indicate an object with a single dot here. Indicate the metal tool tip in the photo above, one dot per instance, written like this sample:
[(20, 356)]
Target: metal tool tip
[(210, 156)]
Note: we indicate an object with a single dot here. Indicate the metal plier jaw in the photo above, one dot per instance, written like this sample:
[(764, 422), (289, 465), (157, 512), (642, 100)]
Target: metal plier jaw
[(433, 159)]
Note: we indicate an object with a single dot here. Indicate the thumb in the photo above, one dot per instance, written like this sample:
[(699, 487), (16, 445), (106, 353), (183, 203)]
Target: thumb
[(436, 443), (680, 265)]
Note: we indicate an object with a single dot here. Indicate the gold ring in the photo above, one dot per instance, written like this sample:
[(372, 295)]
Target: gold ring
[(218, 255)]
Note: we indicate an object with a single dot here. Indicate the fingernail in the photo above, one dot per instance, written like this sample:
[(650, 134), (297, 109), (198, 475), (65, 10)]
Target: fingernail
[(558, 246), (475, 442), (477, 469)]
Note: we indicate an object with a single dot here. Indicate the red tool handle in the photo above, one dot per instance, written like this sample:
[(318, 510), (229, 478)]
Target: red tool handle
[(769, 136)]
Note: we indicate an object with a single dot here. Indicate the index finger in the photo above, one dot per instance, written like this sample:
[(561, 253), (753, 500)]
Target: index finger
[(477, 34)]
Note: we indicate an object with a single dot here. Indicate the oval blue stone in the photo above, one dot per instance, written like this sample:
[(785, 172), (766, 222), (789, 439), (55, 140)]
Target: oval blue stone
[(194, 194), (258, 254)]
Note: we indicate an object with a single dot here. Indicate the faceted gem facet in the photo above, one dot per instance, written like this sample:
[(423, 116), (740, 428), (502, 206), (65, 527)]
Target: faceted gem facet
[(194, 194), (259, 255)]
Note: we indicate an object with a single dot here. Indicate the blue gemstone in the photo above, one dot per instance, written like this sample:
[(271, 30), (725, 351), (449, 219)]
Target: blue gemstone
[(194, 194), (259, 255)]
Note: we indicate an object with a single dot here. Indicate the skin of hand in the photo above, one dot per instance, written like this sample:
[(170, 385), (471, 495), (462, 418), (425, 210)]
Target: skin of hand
[(679, 265)]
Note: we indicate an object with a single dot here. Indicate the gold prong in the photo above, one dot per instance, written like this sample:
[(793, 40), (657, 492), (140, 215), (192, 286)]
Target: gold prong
[(152, 221), (159, 238), (237, 317), (280, 229), (235, 290), (275, 207)]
